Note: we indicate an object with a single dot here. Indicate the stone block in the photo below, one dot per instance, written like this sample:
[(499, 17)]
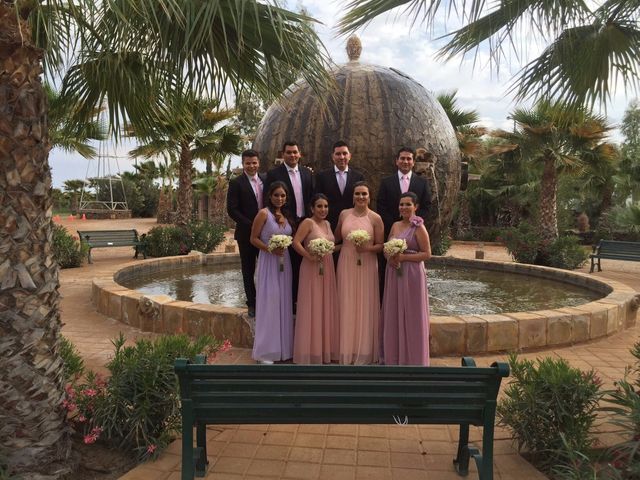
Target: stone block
[(558, 327), (477, 327), (598, 327), (173, 316), (532, 329), (150, 312), (230, 325), (447, 336), (198, 319), (502, 333), (129, 309), (115, 304)]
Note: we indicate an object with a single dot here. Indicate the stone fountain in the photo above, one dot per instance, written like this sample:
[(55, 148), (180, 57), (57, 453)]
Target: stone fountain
[(376, 110)]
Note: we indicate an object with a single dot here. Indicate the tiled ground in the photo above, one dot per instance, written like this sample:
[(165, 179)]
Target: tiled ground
[(329, 452)]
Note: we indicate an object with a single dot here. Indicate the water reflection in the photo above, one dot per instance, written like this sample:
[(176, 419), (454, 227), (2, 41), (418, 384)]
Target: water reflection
[(452, 290)]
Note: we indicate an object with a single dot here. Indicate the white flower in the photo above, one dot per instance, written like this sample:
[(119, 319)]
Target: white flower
[(395, 246), (359, 237), (320, 247), (278, 241)]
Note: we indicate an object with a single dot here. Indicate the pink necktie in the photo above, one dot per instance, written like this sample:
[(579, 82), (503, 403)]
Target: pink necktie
[(258, 189), (405, 183), (297, 192), (342, 180)]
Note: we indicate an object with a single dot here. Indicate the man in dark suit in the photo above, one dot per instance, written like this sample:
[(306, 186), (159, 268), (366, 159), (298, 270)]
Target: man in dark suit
[(391, 188), (244, 199), (299, 182), (337, 182)]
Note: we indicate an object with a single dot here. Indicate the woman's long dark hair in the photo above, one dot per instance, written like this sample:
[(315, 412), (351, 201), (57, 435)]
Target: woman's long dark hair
[(285, 208)]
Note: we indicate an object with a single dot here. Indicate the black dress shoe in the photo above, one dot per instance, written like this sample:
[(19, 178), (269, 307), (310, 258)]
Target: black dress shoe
[(252, 311)]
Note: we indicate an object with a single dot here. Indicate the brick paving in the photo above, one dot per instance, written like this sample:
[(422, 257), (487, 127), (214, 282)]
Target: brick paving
[(329, 452)]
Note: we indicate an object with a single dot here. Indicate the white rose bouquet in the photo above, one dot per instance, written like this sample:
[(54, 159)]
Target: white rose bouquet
[(359, 238), (321, 247), (279, 241), (395, 247)]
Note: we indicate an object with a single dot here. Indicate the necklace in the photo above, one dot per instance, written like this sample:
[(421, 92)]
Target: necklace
[(355, 212)]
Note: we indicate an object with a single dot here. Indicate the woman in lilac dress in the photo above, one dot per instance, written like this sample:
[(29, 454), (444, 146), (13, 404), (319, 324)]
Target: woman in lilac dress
[(274, 311), (405, 306)]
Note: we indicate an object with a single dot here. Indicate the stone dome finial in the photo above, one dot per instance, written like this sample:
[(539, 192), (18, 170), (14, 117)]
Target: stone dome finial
[(354, 48)]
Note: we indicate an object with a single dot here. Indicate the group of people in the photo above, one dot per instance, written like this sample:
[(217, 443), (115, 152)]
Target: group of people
[(335, 297)]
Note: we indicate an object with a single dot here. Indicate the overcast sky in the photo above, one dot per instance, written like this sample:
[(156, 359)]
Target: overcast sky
[(391, 41)]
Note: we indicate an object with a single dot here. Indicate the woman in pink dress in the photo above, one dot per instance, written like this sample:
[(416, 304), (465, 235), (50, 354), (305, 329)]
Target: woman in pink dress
[(316, 332), (358, 288), (405, 306)]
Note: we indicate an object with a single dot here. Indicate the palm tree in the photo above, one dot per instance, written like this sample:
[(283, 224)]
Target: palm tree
[(556, 139), (73, 189), (133, 54), (591, 46), (197, 136)]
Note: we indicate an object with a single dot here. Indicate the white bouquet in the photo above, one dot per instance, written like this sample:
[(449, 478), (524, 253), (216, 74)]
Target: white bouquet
[(359, 238), (395, 247), (279, 241), (321, 247)]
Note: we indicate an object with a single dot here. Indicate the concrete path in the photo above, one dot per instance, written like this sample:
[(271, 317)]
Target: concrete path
[(328, 452)]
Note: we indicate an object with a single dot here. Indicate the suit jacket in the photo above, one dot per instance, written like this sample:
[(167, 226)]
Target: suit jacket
[(242, 205), (280, 173), (327, 183), (389, 198)]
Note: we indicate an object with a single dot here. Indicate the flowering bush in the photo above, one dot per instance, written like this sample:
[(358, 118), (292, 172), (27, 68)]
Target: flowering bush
[(137, 407), (522, 243), (167, 241)]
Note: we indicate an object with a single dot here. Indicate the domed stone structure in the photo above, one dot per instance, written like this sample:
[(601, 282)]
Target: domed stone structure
[(376, 110)]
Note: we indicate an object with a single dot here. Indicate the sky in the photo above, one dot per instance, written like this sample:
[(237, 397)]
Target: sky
[(391, 41)]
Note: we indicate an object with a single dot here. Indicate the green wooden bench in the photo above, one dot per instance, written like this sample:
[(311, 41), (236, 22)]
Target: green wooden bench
[(614, 250), (335, 394), (113, 238)]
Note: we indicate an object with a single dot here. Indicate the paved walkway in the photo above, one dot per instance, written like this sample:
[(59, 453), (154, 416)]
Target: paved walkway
[(328, 452)]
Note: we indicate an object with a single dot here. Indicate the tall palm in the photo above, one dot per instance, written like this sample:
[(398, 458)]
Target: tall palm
[(591, 46), (192, 133), (558, 139), (133, 54)]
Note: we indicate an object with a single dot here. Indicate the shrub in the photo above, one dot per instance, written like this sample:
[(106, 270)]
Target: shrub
[(566, 252), (444, 244), (72, 363), (206, 236), (137, 407), (67, 249), (522, 243), (167, 241), (550, 408)]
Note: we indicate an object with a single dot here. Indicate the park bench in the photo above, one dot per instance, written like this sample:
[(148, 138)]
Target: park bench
[(113, 238), (336, 394), (614, 250)]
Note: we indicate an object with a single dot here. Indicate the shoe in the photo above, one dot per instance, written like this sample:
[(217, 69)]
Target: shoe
[(264, 362), (252, 311)]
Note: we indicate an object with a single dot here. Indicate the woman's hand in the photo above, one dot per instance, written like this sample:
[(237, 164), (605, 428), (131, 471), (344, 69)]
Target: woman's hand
[(394, 260), (279, 252), (363, 248)]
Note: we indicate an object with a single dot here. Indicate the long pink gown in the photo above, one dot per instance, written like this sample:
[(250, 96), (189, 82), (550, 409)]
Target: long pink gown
[(405, 310), (317, 328), (358, 297)]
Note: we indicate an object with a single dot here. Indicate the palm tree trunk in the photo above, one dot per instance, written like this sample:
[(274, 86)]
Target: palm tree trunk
[(548, 221), (34, 435), (185, 189)]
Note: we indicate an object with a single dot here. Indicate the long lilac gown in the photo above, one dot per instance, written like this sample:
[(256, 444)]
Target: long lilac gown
[(405, 310), (274, 312)]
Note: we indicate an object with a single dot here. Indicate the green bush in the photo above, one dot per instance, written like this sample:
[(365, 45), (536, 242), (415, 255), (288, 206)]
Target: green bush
[(67, 249), (137, 408), (444, 244), (167, 241), (522, 243), (550, 408), (72, 363), (206, 236), (566, 252)]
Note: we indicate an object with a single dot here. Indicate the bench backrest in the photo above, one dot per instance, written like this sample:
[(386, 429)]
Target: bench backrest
[(253, 394), (108, 238), (622, 248)]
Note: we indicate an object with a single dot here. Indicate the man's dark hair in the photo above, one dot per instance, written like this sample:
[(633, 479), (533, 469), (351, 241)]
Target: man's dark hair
[(406, 149), (249, 153), (339, 143), (289, 143)]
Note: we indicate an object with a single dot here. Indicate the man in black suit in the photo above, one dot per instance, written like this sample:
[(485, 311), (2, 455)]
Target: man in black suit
[(337, 182), (391, 188), (244, 199), (299, 182)]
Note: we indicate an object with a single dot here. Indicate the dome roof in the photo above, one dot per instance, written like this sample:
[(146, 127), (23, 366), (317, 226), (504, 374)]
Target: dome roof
[(376, 110)]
